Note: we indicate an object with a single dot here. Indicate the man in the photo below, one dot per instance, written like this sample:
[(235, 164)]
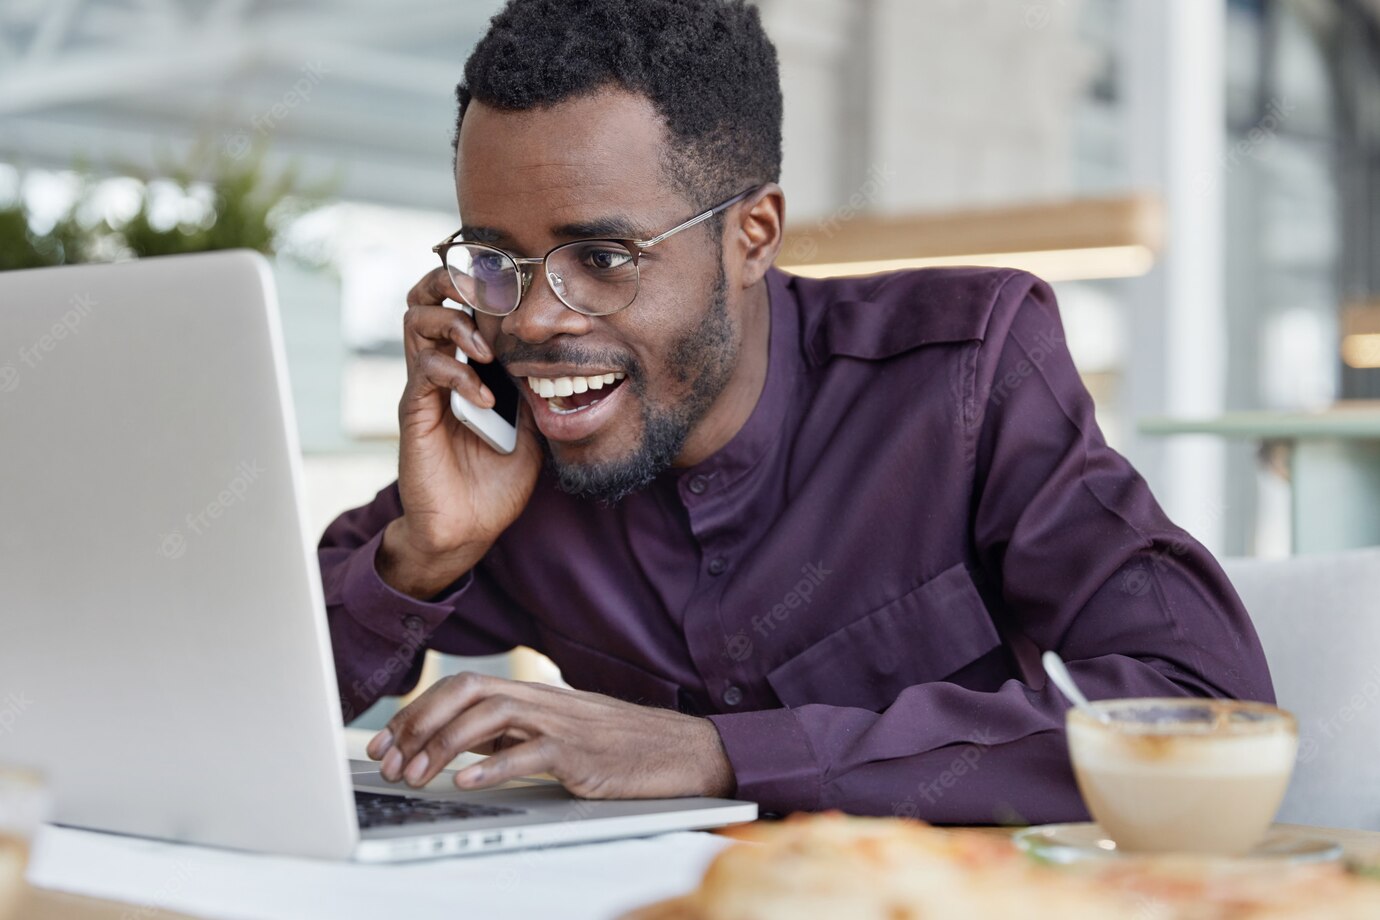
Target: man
[(807, 548)]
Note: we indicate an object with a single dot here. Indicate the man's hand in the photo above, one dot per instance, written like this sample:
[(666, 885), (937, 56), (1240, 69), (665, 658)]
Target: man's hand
[(598, 747), (458, 494)]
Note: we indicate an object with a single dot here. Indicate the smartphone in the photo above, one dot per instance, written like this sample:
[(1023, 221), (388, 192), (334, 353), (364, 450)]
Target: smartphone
[(497, 427)]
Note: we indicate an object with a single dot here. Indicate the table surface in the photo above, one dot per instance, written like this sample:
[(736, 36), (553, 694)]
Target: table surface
[(51, 905)]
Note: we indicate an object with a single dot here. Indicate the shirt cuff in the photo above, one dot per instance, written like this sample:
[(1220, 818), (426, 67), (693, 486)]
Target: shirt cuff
[(385, 611), (772, 759)]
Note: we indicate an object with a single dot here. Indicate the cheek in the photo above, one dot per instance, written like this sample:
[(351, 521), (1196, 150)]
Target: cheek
[(489, 326)]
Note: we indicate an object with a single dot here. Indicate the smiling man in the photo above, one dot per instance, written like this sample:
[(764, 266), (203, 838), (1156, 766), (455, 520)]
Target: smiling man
[(796, 541)]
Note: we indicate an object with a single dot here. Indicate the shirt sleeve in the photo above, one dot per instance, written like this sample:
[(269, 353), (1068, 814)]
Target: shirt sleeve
[(1073, 554), (378, 634)]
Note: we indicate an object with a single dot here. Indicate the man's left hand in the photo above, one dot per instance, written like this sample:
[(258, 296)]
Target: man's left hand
[(598, 747)]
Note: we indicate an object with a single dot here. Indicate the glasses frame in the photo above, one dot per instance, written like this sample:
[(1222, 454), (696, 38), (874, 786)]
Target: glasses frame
[(526, 265)]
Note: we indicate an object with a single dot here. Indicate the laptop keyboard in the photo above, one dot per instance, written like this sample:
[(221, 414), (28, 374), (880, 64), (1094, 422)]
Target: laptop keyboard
[(377, 810)]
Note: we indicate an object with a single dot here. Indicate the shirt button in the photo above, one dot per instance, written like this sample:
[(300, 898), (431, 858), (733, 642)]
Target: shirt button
[(698, 485), (413, 623), (718, 565), (733, 695)]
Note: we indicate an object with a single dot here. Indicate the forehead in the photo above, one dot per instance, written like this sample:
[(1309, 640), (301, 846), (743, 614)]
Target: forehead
[(590, 157)]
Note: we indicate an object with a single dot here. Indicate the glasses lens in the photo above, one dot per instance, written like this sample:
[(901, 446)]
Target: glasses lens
[(593, 276), (485, 278)]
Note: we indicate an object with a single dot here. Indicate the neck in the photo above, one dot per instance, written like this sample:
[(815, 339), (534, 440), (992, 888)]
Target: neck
[(739, 397)]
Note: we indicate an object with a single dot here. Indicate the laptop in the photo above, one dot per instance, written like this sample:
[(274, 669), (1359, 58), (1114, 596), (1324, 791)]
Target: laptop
[(163, 619)]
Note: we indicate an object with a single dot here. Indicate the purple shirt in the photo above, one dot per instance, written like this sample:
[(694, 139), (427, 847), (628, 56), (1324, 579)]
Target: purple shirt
[(856, 588)]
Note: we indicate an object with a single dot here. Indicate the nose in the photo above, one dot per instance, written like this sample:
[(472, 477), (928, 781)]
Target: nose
[(541, 314)]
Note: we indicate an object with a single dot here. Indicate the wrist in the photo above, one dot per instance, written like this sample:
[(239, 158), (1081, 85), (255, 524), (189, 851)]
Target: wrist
[(718, 779), (417, 571)]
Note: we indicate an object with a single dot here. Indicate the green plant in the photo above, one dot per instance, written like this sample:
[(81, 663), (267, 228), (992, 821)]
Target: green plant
[(248, 208)]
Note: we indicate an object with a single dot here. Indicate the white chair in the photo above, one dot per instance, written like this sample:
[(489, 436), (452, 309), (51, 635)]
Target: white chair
[(1318, 617)]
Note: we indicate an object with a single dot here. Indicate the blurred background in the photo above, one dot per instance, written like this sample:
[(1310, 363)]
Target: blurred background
[(1199, 178)]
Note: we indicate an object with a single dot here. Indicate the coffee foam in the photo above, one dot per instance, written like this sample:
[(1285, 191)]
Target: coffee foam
[(1198, 751)]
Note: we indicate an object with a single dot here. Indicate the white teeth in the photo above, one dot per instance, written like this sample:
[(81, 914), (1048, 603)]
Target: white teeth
[(552, 405), (567, 386)]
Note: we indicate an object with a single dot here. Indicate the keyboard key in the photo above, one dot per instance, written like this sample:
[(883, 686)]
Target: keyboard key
[(377, 810)]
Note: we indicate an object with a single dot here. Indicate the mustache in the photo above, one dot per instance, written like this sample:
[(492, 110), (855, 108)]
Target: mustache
[(566, 353)]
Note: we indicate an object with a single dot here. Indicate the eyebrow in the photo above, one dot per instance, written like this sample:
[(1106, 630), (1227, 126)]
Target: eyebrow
[(617, 228)]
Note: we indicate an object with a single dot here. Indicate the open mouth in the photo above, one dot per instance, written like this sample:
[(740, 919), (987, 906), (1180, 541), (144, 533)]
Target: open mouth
[(568, 395)]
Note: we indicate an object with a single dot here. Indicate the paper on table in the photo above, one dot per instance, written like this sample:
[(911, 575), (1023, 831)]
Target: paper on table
[(597, 881)]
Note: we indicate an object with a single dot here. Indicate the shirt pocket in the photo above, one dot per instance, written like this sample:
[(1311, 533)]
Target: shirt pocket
[(925, 635), (586, 668)]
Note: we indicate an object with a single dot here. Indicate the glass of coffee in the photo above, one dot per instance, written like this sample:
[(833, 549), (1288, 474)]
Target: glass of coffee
[(23, 807), (1183, 775)]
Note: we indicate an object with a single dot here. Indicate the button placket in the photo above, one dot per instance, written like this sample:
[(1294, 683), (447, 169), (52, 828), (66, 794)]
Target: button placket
[(701, 621)]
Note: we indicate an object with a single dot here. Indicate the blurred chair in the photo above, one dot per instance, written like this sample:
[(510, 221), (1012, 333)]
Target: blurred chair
[(1319, 620)]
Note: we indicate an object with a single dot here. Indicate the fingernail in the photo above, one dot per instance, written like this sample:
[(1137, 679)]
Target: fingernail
[(480, 345), (392, 764), (470, 775), (380, 744), (486, 394), (417, 769)]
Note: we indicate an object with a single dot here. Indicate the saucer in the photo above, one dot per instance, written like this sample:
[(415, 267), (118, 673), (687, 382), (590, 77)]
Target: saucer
[(1071, 843)]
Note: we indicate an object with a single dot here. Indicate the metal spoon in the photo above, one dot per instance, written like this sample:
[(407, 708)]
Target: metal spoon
[(1059, 673)]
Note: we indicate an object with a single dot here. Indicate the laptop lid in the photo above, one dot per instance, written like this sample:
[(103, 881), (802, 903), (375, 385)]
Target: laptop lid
[(163, 617)]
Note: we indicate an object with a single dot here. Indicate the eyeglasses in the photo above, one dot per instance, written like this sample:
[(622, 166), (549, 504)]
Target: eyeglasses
[(593, 277)]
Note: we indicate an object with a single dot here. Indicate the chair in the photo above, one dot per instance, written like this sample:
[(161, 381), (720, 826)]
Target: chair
[(1318, 617)]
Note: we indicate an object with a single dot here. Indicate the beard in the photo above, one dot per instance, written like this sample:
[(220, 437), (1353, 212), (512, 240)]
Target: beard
[(703, 359)]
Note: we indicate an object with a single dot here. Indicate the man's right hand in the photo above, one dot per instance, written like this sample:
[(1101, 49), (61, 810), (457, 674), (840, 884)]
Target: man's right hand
[(458, 493)]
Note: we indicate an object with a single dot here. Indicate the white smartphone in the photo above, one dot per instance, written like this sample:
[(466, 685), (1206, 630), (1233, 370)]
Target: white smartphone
[(497, 426)]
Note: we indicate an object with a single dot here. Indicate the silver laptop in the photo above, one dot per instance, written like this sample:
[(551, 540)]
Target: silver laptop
[(164, 652)]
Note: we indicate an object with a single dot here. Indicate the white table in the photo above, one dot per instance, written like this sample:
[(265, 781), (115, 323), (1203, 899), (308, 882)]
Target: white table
[(596, 881)]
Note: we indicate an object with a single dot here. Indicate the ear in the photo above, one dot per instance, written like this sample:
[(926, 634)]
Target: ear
[(755, 237)]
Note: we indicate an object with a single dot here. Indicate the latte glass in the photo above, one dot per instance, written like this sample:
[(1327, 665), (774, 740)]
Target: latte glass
[(1183, 775)]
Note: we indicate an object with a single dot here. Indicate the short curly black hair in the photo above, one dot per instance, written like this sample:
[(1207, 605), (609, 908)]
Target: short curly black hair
[(706, 65)]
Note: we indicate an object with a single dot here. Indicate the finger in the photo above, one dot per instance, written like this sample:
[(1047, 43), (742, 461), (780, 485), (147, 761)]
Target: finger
[(539, 755), (426, 326), (436, 370), (413, 725), (488, 720), (434, 287), (379, 745), (505, 740)]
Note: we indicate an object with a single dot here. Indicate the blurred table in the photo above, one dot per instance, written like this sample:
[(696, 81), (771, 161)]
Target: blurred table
[(53, 905), (1333, 460), (1357, 846)]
